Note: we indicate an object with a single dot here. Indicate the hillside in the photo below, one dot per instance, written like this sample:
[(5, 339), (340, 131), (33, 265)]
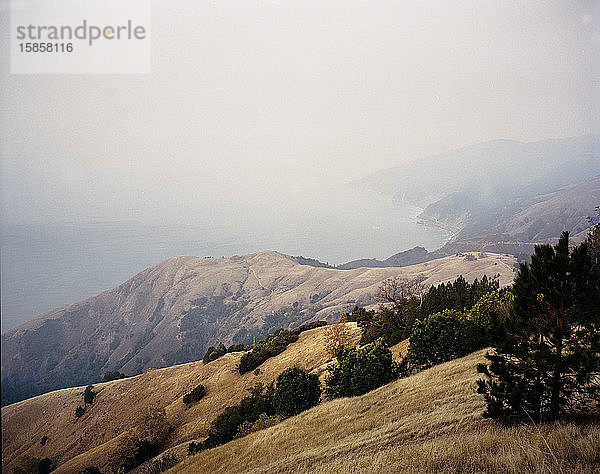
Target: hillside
[(500, 187), (429, 422), (90, 439), (171, 313), (499, 169)]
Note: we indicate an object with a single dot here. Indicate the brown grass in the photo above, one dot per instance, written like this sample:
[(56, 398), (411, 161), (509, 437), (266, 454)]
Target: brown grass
[(77, 443), (430, 422)]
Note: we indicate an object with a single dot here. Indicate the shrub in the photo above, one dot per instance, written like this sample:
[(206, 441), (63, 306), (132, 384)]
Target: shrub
[(264, 421), (89, 395), (213, 353), (296, 391), (194, 395), (143, 441), (336, 336), (116, 375), (79, 411), (360, 370), (92, 470), (441, 337), (225, 426), (272, 345)]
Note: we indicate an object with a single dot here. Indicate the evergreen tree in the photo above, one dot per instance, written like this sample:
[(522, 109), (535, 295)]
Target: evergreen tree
[(549, 360)]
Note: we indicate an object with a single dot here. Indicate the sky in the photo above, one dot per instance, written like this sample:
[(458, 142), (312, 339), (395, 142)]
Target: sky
[(266, 104)]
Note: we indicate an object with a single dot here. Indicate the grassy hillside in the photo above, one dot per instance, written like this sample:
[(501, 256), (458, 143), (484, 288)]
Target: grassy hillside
[(429, 422), (171, 313), (76, 443)]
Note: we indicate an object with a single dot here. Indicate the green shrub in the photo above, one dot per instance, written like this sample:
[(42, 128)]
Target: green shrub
[(441, 337), (360, 370), (272, 345), (89, 395), (116, 375), (79, 411), (213, 353), (91, 470), (296, 391), (226, 425), (194, 395), (264, 421)]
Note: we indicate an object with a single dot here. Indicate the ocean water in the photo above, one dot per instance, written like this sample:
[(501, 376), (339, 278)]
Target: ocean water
[(47, 265)]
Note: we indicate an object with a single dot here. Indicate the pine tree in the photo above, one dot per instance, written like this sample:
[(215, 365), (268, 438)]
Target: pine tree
[(548, 364)]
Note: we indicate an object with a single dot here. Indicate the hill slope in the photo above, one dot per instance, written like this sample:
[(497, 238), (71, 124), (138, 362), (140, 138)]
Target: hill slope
[(171, 313), (429, 422), (74, 443)]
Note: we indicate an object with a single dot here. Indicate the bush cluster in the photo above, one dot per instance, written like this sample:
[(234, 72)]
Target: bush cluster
[(194, 395), (264, 421), (213, 353), (296, 391), (273, 345), (143, 441), (396, 324), (116, 375), (226, 425), (358, 371)]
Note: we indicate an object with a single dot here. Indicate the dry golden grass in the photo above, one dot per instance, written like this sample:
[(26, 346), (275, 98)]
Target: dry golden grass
[(76, 443), (430, 422)]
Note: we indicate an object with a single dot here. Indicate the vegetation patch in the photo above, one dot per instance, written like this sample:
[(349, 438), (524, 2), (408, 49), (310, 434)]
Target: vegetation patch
[(273, 345), (194, 395)]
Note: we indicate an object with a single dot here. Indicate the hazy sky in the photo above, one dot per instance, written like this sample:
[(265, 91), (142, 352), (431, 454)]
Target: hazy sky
[(262, 102)]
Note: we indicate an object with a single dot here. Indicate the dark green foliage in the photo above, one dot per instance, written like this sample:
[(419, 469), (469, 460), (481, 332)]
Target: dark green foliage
[(79, 411), (89, 395), (459, 295), (213, 353), (548, 364), (441, 337), (91, 470), (194, 395), (45, 466), (396, 324), (225, 426), (296, 391), (116, 375), (44, 440), (306, 327), (360, 370), (272, 345)]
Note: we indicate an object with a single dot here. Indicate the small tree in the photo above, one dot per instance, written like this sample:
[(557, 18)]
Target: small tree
[(549, 361), (296, 391), (336, 336), (396, 289), (79, 411), (89, 395)]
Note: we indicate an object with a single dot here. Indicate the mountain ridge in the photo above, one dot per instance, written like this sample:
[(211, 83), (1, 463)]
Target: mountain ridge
[(172, 312)]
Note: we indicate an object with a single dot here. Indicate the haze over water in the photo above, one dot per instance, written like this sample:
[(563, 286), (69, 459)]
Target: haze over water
[(46, 265)]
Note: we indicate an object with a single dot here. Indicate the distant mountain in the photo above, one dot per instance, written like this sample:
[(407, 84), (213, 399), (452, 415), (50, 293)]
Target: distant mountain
[(494, 171), (171, 313)]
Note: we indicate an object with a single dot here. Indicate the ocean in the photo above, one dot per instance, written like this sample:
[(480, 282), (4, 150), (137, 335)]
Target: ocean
[(47, 265)]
